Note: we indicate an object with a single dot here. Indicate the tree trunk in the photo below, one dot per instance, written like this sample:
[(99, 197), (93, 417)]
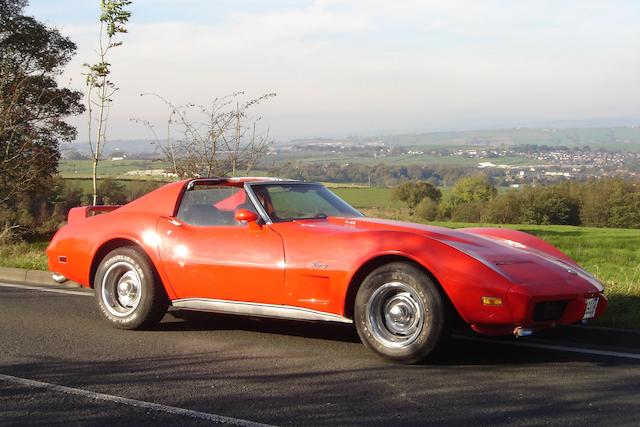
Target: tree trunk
[(94, 177)]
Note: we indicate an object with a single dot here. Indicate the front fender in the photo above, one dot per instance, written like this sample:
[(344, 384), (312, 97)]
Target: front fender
[(463, 278)]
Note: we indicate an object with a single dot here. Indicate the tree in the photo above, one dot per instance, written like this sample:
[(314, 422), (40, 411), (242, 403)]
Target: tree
[(412, 193), (32, 105), (100, 90), (624, 210), (546, 205), (214, 140), (504, 208), (469, 189)]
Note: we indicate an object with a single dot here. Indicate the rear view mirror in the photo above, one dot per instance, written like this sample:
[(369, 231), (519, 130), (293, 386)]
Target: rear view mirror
[(245, 215)]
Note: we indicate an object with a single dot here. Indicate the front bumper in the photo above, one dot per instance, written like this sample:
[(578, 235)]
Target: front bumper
[(541, 306)]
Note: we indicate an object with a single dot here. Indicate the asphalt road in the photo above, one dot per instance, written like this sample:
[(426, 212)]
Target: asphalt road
[(61, 364)]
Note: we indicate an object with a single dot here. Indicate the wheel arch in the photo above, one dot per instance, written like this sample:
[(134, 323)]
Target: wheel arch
[(115, 243), (363, 271)]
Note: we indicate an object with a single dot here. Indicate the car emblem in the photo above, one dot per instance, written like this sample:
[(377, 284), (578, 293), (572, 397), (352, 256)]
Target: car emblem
[(317, 265)]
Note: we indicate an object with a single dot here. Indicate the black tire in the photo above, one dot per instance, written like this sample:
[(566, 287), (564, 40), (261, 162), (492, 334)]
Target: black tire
[(401, 314), (128, 292)]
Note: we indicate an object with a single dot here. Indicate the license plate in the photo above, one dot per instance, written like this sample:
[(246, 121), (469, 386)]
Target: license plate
[(590, 309)]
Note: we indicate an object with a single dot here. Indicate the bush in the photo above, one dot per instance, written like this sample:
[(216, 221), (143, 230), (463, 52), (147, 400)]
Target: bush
[(413, 193), (595, 195), (140, 188), (111, 192), (504, 209), (468, 212), (427, 209), (547, 206), (610, 202), (624, 209), (37, 216)]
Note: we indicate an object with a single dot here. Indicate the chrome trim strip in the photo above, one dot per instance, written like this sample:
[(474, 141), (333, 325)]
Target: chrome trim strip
[(256, 203), (257, 309)]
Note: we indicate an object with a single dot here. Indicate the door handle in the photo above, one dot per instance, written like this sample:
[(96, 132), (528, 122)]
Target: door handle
[(175, 222)]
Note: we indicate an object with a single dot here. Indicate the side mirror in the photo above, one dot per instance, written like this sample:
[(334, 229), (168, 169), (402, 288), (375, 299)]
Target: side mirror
[(250, 217)]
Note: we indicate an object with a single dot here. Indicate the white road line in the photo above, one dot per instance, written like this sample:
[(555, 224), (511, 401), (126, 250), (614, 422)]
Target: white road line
[(591, 351), (43, 289), (218, 419)]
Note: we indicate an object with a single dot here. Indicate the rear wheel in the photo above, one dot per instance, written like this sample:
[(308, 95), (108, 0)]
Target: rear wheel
[(400, 313), (128, 293)]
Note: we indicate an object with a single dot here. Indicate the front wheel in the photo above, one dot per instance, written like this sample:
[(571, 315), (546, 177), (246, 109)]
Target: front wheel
[(400, 313), (128, 294)]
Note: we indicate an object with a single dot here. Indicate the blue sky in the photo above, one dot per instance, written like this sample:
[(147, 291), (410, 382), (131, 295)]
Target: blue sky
[(195, 11), (366, 67)]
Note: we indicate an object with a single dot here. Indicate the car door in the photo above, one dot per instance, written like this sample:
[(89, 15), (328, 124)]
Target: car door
[(206, 254)]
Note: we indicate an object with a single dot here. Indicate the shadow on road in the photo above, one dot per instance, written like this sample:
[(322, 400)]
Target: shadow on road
[(195, 321), (456, 352)]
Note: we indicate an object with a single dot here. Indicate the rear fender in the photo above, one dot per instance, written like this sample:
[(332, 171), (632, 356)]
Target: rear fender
[(146, 243), (82, 212)]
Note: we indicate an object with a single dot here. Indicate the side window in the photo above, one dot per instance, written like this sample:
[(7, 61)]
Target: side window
[(212, 205)]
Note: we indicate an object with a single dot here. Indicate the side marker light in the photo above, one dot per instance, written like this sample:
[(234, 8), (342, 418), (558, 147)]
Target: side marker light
[(491, 301)]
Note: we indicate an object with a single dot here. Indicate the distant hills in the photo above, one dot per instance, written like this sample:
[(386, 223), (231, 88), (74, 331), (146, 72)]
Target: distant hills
[(613, 138), (625, 138)]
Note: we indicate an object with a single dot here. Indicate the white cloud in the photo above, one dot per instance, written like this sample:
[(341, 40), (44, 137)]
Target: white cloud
[(348, 66)]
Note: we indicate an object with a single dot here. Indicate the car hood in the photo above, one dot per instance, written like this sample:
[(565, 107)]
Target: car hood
[(513, 260)]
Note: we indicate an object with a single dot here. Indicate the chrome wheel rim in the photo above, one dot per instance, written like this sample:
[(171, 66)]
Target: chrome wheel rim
[(121, 289), (396, 315)]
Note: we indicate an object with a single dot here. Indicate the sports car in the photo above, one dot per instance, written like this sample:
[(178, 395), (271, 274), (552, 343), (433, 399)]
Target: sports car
[(287, 249)]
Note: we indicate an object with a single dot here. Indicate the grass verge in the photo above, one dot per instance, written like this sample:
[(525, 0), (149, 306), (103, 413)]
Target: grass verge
[(30, 256)]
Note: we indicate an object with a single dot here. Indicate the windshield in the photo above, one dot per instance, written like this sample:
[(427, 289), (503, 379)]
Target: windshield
[(289, 201)]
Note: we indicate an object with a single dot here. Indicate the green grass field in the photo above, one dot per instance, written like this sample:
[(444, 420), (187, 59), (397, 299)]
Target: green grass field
[(430, 160), (400, 160), (131, 185), (108, 168), (365, 197)]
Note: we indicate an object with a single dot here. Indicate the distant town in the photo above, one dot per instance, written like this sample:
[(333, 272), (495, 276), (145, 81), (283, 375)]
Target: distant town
[(519, 164), (553, 162), (514, 157)]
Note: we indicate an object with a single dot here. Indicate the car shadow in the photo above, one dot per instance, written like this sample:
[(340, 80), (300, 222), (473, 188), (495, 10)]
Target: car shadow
[(464, 348), (183, 320)]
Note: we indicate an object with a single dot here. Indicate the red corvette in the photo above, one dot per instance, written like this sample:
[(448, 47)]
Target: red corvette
[(294, 250)]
